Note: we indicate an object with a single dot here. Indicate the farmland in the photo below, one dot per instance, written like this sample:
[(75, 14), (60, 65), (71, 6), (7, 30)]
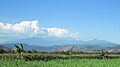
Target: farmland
[(58, 60), (20, 58), (62, 63)]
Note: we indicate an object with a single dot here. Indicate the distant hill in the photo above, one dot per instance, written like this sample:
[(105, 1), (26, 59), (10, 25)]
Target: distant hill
[(77, 48), (49, 48), (115, 49), (51, 41), (31, 47), (4, 48), (62, 44)]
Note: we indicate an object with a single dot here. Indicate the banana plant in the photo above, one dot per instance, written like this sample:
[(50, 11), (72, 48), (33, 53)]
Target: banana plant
[(104, 55), (19, 49)]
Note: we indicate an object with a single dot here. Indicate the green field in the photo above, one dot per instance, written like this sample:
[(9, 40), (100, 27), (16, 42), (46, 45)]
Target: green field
[(58, 60), (62, 63)]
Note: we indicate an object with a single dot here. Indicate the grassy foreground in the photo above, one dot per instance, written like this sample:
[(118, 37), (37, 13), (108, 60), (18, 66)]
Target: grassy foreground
[(62, 63)]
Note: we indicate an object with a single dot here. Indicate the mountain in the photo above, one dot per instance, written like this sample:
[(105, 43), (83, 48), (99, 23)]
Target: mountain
[(100, 43), (115, 49), (62, 44), (4, 48), (51, 41), (31, 47), (51, 48), (77, 48)]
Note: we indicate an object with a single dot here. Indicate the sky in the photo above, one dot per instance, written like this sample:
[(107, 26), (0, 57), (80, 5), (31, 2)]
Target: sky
[(78, 19)]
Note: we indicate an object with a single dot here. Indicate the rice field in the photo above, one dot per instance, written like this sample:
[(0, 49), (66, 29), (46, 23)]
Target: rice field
[(57, 60), (62, 63)]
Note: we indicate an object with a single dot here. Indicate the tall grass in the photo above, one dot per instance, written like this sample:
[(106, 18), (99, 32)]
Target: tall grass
[(62, 63), (58, 60)]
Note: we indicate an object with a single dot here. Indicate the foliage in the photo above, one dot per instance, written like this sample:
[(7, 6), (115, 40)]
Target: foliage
[(62, 63), (47, 57), (104, 55), (58, 60), (3, 51), (18, 49)]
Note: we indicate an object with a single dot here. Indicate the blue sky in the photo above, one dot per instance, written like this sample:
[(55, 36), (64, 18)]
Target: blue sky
[(90, 18)]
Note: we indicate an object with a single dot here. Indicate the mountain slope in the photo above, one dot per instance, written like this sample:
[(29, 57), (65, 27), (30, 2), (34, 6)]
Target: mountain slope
[(77, 48), (31, 47), (4, 48), (51, 41)]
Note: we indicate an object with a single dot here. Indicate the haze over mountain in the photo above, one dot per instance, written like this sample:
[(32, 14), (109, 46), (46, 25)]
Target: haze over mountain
[(63, 44), (51, 41), (30, 32), (84, 46)]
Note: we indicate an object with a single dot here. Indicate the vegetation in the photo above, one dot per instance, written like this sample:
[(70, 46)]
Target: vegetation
[(18, 49), (62, 63), (21, 58)]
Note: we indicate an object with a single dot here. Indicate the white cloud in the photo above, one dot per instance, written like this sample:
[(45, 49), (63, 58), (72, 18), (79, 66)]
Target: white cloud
[(57, 32), (21, 27), (27, 29)]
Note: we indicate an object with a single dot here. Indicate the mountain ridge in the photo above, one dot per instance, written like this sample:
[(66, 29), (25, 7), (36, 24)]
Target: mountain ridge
[(59, 44), (50, 41)]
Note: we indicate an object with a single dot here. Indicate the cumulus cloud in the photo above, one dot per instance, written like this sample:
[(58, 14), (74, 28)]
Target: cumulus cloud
[(56, 32), (27, 29), (21, 27)]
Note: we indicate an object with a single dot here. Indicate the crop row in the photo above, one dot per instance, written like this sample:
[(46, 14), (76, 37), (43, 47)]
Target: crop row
[(47, 57)]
